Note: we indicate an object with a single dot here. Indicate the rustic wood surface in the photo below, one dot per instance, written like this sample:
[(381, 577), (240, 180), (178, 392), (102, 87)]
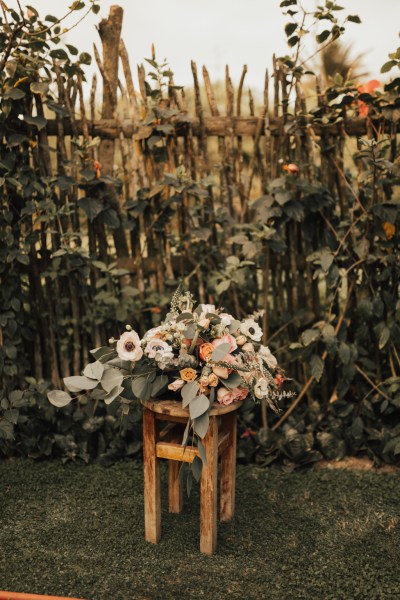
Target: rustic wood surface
[(174, 408), (175, 491), (152, 497), (209, 491), (172, 451), (228, 470)]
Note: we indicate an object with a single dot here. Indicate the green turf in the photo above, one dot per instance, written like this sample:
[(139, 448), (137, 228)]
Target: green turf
[(78, 530)]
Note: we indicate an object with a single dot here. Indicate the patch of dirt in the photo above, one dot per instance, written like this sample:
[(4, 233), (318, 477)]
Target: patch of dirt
[(357, 464)]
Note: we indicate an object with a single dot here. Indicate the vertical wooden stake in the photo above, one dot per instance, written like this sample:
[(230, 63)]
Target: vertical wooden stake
[(209, 491), (152, 498), (228, 470), (175, 495)]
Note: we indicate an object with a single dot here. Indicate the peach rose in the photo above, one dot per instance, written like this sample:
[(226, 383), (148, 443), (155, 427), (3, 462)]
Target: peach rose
[(248, 347), (241, 339), (205, 351), (188, 374), (176, 385), (213, 380), (224, 372), (226, 339)]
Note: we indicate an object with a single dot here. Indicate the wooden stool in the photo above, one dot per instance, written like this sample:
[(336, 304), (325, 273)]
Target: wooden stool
[(220, 440)]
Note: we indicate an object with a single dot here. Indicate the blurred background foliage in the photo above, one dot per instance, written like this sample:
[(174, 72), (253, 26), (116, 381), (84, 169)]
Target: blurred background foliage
[(290, 210)]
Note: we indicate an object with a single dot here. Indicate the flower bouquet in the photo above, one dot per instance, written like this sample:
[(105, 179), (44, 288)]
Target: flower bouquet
[(201, 353)]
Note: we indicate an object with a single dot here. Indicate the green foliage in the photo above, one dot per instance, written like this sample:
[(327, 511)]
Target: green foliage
[(334, 314)]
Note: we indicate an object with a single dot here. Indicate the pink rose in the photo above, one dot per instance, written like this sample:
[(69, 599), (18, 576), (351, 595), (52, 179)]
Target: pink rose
[(226, 339), (176, 385), (226, 396)]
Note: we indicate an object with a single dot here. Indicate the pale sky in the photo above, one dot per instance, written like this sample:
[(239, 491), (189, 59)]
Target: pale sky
[(234, 32)]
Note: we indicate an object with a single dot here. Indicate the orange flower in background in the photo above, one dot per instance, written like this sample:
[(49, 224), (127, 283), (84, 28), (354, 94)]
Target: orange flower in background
[(366, 88), (389, 230), (188, 374), (291, 168), (97, 168), (279, 379), (205, 351)]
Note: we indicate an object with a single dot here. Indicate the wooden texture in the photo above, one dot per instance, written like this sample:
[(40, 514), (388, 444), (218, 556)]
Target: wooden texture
[(152, 498), (213, 126), (209, 491), (228, 470), (174, 408), (175, 492), (173, 451)]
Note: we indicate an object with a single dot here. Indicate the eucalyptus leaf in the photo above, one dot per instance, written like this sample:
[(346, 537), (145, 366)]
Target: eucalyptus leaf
[(220, 352), (197, 467), (111, 378), (94, 370), (59, 398), (114, 393), (200, 425), (198, 406), (202, 451), (188, 392), (77, 383)]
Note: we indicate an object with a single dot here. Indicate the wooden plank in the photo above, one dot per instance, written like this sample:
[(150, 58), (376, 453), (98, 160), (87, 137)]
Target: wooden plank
[(223, 441), (228, 470), (213, 126), (152, 497), (173, 451), (175, 492), (209, 491)]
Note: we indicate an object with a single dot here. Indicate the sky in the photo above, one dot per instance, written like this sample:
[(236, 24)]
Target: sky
[(220, 32)]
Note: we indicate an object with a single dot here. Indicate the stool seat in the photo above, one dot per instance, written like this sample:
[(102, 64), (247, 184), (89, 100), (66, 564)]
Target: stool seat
[(174, 408), (165, 443)]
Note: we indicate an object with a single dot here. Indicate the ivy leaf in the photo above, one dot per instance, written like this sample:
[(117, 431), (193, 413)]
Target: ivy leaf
[(317, 367), (388, 66), (59, 398), (59, 54), (384, 337), (354, 19), (290, 28), (309, 336), (323, 36), (198, 406)]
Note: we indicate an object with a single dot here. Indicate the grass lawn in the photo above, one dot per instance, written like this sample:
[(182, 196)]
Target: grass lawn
[(78, 530)]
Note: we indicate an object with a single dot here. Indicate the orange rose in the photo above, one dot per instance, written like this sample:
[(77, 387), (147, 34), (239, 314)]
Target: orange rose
[(188, 374), (205, 351)]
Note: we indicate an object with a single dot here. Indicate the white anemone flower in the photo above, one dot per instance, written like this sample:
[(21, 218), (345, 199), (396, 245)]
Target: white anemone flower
[(157, 346), (261, 388), (265, 353), (250, 328), (153, 332), (128, 346)]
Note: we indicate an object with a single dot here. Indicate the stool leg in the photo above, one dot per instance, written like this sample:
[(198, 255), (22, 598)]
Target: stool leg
[(152, 498), (228, 470), (209, 491), (175, 496)]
